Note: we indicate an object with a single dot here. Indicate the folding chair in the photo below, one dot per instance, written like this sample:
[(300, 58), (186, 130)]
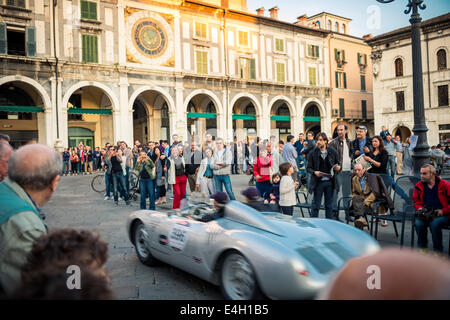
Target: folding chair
[(307, 203), (403, 208)]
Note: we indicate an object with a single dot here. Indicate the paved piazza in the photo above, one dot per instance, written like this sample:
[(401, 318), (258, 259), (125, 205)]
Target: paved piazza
[(76, 205)]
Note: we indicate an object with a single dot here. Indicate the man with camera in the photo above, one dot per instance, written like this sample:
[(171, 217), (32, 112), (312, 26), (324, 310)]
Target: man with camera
[(144, 167), (118, 176), (431, 202)]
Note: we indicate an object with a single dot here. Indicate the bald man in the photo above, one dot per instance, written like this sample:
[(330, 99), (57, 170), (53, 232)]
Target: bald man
[(391, 274), (5, 153), (29, 186)]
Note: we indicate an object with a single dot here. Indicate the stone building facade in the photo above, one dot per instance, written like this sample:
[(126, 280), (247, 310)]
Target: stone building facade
[(107, 70), (393, 83)]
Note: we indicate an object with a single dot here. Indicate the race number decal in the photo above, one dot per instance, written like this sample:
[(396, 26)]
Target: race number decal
[(178, 236)]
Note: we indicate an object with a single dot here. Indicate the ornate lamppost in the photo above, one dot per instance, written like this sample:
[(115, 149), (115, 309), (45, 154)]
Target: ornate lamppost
[(421, 154)]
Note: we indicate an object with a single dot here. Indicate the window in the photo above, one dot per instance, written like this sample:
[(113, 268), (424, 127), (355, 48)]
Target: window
[(442, 59), (18, 42), (201, 30), (339, 56), (363, 83), (399, 67), (443, 96), (280, 72), (88, 10), (364, 109), (341, 108), (362, 59), (343, 28), (336, 27), (312, 76), (341, 79), (279, 45), (313, 51), (16, 3), (247, 68), (329, 24), (400, 97), (202, 62), (243, 38), (90, 48)]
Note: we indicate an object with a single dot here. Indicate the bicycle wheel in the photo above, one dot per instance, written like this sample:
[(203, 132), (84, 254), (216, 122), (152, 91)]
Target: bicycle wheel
[(98, 183)]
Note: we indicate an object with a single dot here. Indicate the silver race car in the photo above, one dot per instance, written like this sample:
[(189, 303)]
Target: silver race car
[(248, 253)]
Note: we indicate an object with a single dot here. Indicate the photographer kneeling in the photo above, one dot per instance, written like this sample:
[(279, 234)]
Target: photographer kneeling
[(431, 202)]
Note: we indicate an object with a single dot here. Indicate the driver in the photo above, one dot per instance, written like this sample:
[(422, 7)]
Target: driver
[(220, 200)]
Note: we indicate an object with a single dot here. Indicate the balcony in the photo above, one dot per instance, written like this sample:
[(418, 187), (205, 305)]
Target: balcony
[(355, 115)]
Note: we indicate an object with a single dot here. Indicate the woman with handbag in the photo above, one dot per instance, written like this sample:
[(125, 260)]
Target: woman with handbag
[(144, 167), (177, 176), (262, 171)]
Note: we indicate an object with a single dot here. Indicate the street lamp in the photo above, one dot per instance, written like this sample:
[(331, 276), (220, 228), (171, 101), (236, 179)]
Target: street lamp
[(421, 153)]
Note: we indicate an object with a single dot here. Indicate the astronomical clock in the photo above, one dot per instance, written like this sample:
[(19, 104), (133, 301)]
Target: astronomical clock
[(149, 38)]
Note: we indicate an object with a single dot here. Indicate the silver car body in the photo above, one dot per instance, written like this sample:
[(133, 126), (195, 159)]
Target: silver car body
[(293, 258)]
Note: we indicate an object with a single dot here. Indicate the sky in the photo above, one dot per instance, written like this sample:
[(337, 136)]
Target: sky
[(368, 16)]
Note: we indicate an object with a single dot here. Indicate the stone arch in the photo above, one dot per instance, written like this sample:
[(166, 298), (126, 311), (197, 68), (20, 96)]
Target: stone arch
[(36, 85), (252, 98), (210, 94), (164, 93), (319, 104), (107, 90), (288, 101)]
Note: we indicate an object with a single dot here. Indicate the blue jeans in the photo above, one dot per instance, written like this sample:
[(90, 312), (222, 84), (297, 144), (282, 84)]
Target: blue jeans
[(391, 166), (109, 185), (436, 232), (119, 182), (224, 180), (263, 188), (147, 189), (323, 188)]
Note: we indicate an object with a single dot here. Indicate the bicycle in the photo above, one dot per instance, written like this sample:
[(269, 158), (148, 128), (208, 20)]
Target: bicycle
[(98, 182)]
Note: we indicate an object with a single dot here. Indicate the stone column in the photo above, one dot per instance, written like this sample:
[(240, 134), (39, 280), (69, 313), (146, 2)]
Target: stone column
[(325, 120), (177, 36), (178, 123), (263, 120), (122, 34), (123, 130), (297, 125)]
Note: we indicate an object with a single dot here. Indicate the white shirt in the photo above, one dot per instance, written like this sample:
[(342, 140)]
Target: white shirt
[(346, 163), (287, 192)]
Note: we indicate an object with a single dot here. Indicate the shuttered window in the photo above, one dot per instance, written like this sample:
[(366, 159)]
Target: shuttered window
[(88, 10), (202, 62), (312, 76), (363, 83), (243, 38), (341, 108), (279, 45), (313, 51), (89, 48), (364, 109), (16, 3), (399, 67), (31, 41), (247, 68), (3, 39), (201, 30), (280, 72), (341, 79)]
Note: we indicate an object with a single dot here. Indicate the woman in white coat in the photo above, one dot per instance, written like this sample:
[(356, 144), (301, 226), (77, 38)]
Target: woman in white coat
[(205, 175)]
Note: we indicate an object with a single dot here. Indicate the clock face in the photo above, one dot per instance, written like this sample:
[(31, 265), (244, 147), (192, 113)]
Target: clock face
[(150, 38)]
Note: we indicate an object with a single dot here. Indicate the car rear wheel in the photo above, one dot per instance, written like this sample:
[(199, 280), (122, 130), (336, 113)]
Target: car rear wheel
[(141, 238), (238, 279)]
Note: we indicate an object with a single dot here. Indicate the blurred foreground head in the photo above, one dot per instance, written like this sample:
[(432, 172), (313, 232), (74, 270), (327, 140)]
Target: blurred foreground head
[(403, 275)]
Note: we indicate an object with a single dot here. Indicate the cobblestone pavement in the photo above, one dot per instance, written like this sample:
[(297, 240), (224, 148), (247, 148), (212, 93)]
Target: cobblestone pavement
[(76, 205)]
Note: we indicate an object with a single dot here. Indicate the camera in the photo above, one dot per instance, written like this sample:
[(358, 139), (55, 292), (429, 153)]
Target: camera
[(427, 214)]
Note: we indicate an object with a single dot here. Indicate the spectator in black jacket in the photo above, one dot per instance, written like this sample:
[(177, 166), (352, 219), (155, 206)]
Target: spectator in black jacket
[(362, 144), (321, 160), (234, 151)]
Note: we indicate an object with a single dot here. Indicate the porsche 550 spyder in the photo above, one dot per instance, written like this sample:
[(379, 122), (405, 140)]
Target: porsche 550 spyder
[(247, 253)]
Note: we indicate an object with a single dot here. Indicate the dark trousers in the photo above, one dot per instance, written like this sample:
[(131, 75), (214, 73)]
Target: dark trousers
[(147, 190), (162, 191), (436, 226), (263, 188), (288, 210), (323, 188), (119, 182), (234, 168)]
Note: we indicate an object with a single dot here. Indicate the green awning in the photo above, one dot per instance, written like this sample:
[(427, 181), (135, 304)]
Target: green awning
[(280, 118), (21, 109), (202, 115), (244, 117), (311, 119), (89, 111)]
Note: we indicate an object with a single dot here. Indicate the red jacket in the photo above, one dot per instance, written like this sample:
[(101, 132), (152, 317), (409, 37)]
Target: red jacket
[(443, 194), (262, 168)]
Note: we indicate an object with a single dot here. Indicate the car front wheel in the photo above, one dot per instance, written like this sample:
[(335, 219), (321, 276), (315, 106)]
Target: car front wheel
[(141, 239), (238, 279)]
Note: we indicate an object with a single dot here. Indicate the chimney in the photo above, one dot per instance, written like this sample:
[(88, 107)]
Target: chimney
[(367, 36), (301, 20), (260, 11), (274, 12)]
